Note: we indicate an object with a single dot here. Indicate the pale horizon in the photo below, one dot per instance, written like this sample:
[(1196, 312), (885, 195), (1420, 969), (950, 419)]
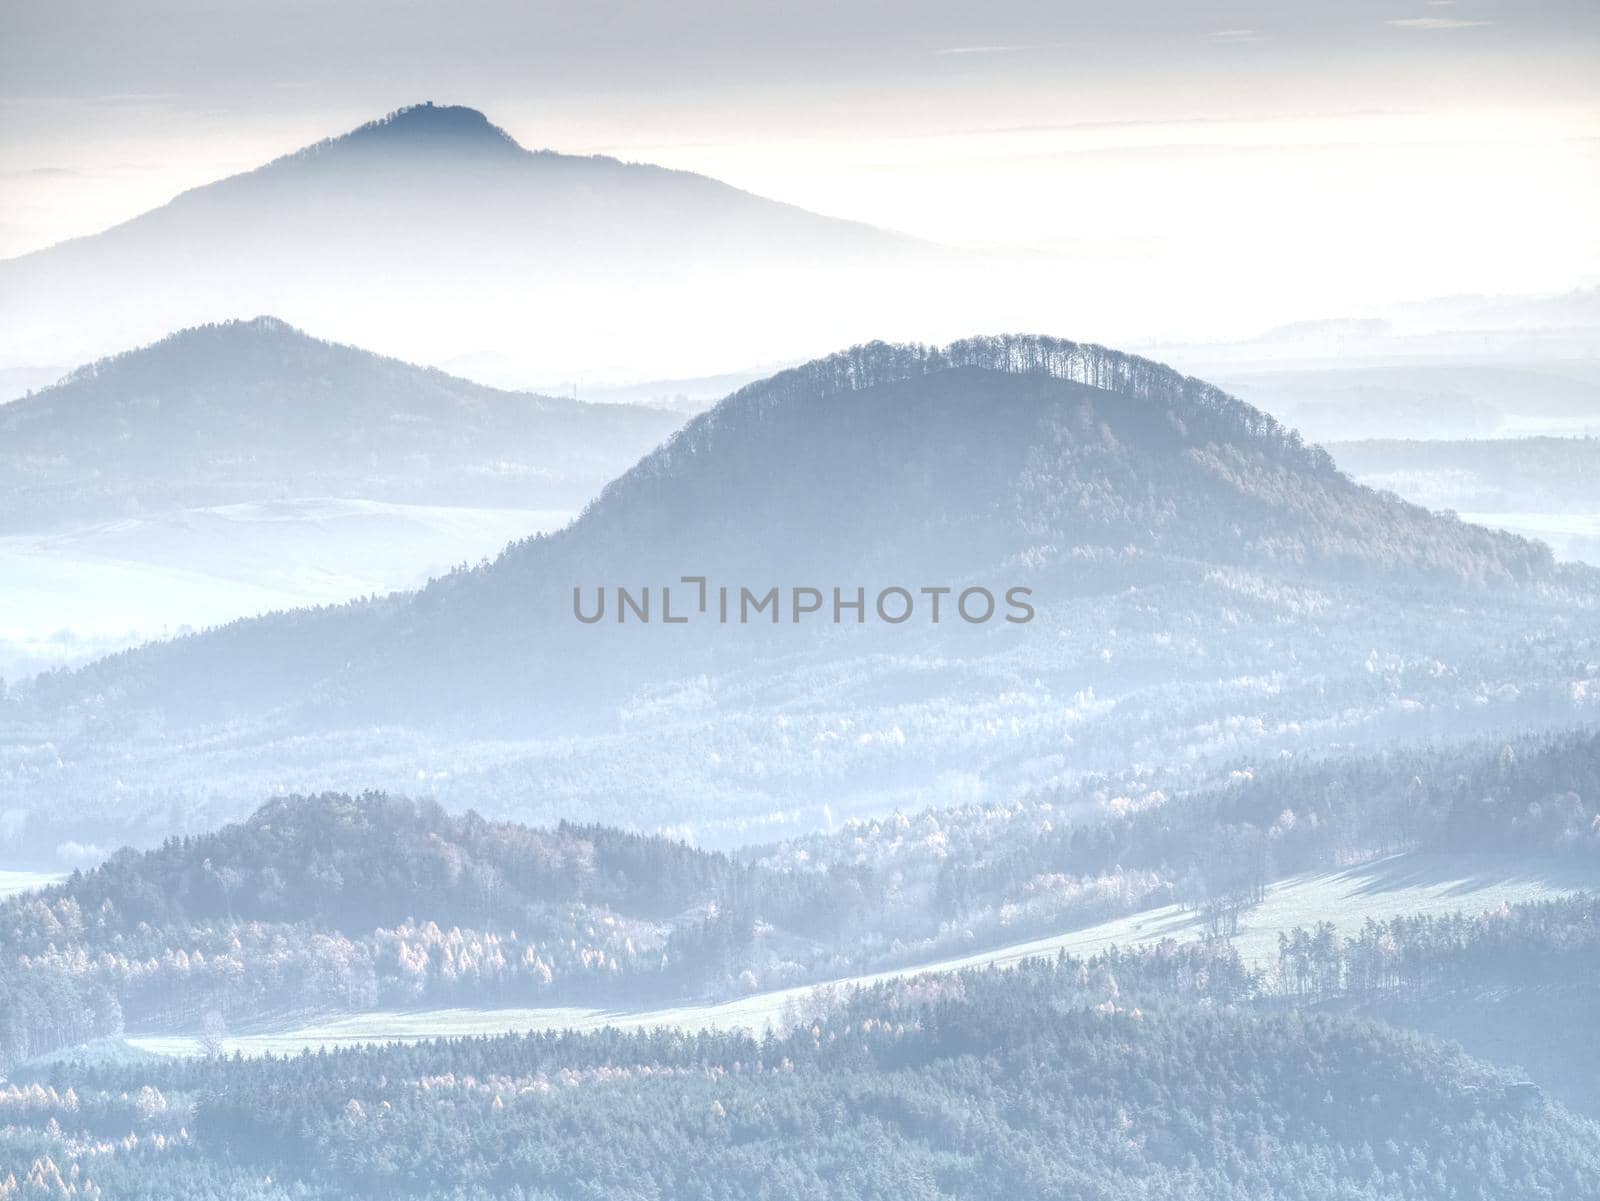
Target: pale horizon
[(1326, 166)]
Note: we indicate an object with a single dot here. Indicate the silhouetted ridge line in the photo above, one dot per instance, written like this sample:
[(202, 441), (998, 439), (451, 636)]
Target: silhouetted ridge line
[(1203, 408)]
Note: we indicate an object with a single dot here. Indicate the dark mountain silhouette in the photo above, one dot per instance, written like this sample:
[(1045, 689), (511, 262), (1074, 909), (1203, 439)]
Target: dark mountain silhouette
[(256, 410), (432, 233)]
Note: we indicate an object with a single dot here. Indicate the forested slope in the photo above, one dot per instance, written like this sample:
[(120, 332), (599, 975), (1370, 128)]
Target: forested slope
[(1061, 1081), (336, 904)]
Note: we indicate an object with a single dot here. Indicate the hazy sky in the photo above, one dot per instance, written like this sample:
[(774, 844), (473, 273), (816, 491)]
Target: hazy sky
[(1339, 154)]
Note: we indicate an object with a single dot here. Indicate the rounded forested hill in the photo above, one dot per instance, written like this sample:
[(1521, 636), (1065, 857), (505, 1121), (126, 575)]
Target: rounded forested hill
[(352, 863), (1073, 469), (893, 457)]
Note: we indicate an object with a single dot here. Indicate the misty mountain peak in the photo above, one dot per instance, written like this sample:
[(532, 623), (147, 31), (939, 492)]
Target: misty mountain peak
[(426, 127), (349, 234)]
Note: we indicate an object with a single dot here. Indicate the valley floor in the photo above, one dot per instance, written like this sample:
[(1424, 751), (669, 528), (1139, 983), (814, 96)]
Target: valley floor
[(1400, 884), (1572, 536), (95, 590)]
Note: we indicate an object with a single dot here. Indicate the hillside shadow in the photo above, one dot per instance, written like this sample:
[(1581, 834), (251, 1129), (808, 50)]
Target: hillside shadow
[(1466, 875)]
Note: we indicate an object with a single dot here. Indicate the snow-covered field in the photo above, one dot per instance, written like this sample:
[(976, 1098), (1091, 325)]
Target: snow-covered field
[(13, 882), (78, 594), (1402, 884)]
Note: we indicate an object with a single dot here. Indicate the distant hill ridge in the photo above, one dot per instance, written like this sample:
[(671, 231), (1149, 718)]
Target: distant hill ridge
[(259, 333), (245, 411), (262, 338)]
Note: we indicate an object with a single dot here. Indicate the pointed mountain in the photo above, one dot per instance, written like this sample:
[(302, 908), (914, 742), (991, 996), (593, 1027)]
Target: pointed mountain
[(256, 410), (432, 233)]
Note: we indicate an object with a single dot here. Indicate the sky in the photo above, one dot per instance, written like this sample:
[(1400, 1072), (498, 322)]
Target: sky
[(1339, 155)]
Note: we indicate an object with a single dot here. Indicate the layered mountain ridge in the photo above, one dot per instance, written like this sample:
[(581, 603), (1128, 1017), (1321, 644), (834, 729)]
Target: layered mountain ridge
[(1040, 462), (1183, 554)]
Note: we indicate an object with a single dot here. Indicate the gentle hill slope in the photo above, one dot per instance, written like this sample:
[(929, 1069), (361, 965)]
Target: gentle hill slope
[(251, 411)]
